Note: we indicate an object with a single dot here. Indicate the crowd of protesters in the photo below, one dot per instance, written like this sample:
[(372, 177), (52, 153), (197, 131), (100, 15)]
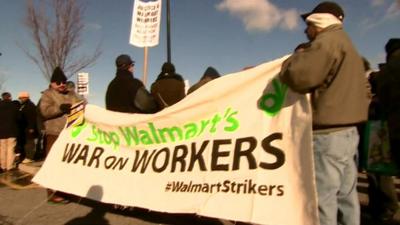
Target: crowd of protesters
[(344, 92), (28, 130), (19, 131)]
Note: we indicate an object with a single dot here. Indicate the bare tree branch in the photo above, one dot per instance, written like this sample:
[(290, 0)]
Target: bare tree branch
[(56, 30)]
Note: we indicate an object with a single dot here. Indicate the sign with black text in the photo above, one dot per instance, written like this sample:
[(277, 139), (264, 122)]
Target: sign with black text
[(146, 19)]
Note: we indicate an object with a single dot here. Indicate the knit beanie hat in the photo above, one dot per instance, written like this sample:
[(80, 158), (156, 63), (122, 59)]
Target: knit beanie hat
[(211, 72), (58, 75), (168, 68), (392, 45)]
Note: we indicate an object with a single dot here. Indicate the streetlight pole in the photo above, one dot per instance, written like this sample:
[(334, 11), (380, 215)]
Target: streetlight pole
[(168, 32)]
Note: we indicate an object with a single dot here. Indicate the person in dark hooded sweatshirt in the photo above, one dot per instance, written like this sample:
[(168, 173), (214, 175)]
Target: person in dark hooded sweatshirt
[(169, 87), (126, 93), (388, 91), (210, 74)]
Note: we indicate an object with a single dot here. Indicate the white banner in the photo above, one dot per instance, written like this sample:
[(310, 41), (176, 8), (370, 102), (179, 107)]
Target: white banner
[(146, 20), (239, 148)]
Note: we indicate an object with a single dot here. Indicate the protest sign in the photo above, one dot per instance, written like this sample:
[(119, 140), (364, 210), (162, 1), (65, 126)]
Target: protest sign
[(239, 148), (83, 84), (146, 20)]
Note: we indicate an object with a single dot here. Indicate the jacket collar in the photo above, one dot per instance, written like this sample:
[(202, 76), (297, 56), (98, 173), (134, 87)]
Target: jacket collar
[(124, 73), (333, 27)]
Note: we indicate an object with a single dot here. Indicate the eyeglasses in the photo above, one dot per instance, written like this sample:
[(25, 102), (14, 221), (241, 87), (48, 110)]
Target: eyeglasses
[(60, 82)]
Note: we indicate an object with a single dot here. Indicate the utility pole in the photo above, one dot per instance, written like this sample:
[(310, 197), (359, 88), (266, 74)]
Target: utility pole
[(168, 32)]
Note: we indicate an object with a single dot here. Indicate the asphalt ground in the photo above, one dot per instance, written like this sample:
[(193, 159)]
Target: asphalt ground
[(23, 202), (22, 205)]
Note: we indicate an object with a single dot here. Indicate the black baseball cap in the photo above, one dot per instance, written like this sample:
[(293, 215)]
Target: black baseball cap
[(327, 7), (123, 61)]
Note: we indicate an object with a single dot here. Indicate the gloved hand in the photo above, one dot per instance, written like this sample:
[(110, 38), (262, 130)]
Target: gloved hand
[(65, 108)]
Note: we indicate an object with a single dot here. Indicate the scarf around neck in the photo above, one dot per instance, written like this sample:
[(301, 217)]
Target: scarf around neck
[(323, 20)]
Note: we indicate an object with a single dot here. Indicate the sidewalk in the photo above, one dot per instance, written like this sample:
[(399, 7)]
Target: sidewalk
[(31, 168), (21, 179)]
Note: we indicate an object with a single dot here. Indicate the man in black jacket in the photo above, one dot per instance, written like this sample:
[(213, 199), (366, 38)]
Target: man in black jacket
[(389, 93), (126, 93), (28, 126), (8, 132)]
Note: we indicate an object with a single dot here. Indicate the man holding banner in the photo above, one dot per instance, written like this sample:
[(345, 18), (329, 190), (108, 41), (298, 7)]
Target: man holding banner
[(126, 93), (331, 70), (54, 106)]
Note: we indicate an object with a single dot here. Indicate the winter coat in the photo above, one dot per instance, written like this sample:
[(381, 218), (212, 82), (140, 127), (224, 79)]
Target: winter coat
[(128, 94), (209, 75), (9, 119), (168, 90), (199, 83), (49, 107), (332, 71), (389, 94), (29, 118)]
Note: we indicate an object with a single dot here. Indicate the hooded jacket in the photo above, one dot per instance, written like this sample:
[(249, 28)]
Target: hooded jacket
[(169, 88), (389, 94), (210, 74), (9, 119)]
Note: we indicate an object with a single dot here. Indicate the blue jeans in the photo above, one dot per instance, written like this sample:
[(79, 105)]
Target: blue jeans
[(336, 177)]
